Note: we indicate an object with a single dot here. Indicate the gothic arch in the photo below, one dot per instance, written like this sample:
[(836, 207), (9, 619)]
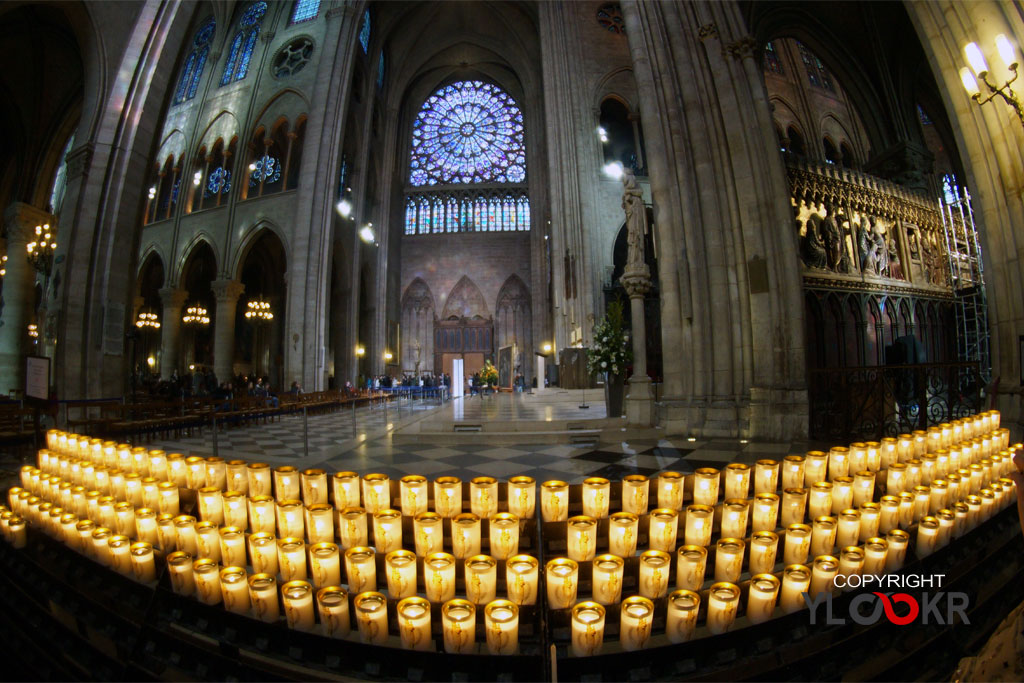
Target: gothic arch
[(222, 126), (512, 315), (286, 104), (249, 238), (418, 317), (465, 301), (186, 253)]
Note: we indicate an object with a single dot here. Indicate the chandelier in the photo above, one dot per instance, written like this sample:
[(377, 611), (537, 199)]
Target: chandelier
[(259, 311), (195, 316), (147, 321), (40, 251)]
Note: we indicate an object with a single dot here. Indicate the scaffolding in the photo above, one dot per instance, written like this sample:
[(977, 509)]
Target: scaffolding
[(967, 279)]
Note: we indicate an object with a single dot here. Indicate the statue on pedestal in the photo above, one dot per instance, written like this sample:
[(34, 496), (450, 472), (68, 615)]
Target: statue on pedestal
[(636, 279)]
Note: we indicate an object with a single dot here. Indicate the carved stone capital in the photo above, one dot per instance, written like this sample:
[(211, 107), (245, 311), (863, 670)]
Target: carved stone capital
[(708, 31), (227, 291), (172, 298), (267, 36), (636, 280), (21, 220), (738, 49), (79, 159)]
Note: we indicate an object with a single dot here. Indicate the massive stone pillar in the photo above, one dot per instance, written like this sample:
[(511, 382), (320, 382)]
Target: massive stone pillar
[(227, 293), (170, 329), (18, 295)]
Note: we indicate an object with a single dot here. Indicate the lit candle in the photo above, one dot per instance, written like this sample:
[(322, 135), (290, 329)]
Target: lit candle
[(766, 512), (166, 533), (792, 472), (587, 628), (691, 562), (888, 452), (414, 623), (207, 541), (297, 597), (815, 468), (819, 503), (670, 490), (211, 505), (232, 546), (953, 491), (481, 579), (167, 498), (929, 468), (139, 459), (286, 483), (235, 509), (150, 493), (319, 523), (262, 514), (263, 552), (823, 535), (622, 534), (401, 572), (581, 538), (723, 602), (117, 485), (927, 536), (522, 496), (561, 575), (662, 530), (413, 494), (920, 443), (851, 563), (465, 535), (429, 534), (596, 492), (371, 610), (291, 518), (766, 476), (764, 547), (387, 531), (352, 527), (504, 535), (179, 566), (838, 462), (654, 573), (483, 496), (207, 578), (439, 577), (324, 564), (794, 503), (635, 489), (681, 620), (195, 477), (458, 622), (875, 550), (501, 623), (177, 470), (796, 580), (922, 498), (234, 588), (636, 617), (863, 487), (238, 476), (870, 518), (259, 480), (70, 534), (906, 499), (521, 573), (857, 457), (842, 494), (734, 518), (848, 531), (898, 541), (896, 478), (124, 518), (313, 483), (823, 574), (376, 493), (937, 495), (942, 462), (107, 516), (913, 474), (345, 487), (607, 579), (960, 511), (699, 520), (554, 501), (705, 488), (291, 559), (764, 591), (448, 496), (185, 534), (332, 605), (133, 489), (142, 563), (360, 569)]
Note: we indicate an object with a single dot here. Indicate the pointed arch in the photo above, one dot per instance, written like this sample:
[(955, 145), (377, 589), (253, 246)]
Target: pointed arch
[(249, 238), (465, 301), (188, 251), (417, 328), (512, 313)]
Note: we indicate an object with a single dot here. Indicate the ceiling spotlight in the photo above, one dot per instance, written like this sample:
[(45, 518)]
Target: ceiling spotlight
[(344, 208), (602, 133), (613, 170), (366, 233)]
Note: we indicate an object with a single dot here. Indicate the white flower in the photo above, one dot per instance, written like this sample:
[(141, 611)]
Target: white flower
[(604, 364)]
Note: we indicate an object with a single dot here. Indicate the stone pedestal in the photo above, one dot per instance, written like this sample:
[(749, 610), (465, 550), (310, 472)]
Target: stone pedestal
[(640, 400), (227, 293), (170, 329)]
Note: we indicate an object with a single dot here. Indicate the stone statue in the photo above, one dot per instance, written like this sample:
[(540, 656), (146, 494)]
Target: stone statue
[(636, 218), (832, 238), (812, 249)]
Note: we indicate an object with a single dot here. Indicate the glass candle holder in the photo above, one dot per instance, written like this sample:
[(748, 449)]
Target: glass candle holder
[(345, 490), (483, 496), (376, 493), (842, 494), (286, 483), (622, 534), (481, 579), (875, 550), (428, 533), (561, 574), (167, 498), (263, 553), (927, 536), (313, 483), (414, 623), (922, 498), (587, 629), (863, 487), (371, 610), (761, 597), (352, 527), (69, 533), (870, 519), (792, 472), (360, 569), (107, 516), (142, 562), (554, 501), (234, 589), (819, 503), (133, 489), (607, 579), (655, 566), (848, 527), (439, 577), (888, 452), (195, 471), (635, 620), (906, 499), (465, 535), (211, 505), (734, 518), (262, 514), (581, 538), (823, 535), (207, 577), (723, 603), (737, 480), (681, 618), (596, 493), (896, 478), (823, 574), (942, 462), (705, 488), (319, 518), (401, 573), (521, 575), (766, 512), (838, 462), (937, 492), (796, 580), (670, 490), (699, 521), (662, 529), (851, 563), (766, 476), (238, 478), (960, 512), (216, 472), (448, 496), (764, 547), (324, 564), (177, 469), (150, 494), (815, 468), (898, 541), (691, 563), (522, 496), (291, 559), (458, 624), (166, 535), (857, 457), (291, 518), (179, 567), (387, 531), (929, 468), (913, 473), (297, 597), (124, 518), (794, 504), (920, 442), (332, 606), (635, 494), (232, 546), (413, 495), (501, 623), (504, 535), (185, 533)]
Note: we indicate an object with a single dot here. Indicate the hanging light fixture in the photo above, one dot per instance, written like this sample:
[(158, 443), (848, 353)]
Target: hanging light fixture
[(259, 311), (40, 251), (147, 320), (980, 67), (196, 316)]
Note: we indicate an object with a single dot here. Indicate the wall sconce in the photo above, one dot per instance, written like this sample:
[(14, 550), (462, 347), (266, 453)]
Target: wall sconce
[(977, 61)]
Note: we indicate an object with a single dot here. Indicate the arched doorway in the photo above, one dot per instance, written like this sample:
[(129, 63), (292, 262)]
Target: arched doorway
[(147, 314), (200, 270), (260, 314)]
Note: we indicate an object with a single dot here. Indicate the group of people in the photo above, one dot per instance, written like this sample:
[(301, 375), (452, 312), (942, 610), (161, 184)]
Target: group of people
[(426, 380), (202, 382)]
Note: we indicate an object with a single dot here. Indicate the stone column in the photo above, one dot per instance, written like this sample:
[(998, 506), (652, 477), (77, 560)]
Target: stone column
[(640, 400), (170, 329), (18, 295), (227, 293)]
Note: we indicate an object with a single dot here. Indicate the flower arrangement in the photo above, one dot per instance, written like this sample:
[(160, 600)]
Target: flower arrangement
[(489, 374), (610, 353)]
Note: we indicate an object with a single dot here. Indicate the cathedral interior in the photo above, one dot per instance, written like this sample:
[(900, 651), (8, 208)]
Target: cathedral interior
[(300, 233)]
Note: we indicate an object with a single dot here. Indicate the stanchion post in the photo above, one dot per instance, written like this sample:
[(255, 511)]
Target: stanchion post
[(214, 417), (305, 430)]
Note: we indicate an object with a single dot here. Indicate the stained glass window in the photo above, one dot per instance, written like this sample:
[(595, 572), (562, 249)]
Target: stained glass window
[(266, 169), (380, 71), (949, 189), (817, 74), (218, 181), (468, 132), (196, 62), (304, 10), (60, 181), (237, 66), (925, 121), (447, 212), (771, 59), (364, 33)]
